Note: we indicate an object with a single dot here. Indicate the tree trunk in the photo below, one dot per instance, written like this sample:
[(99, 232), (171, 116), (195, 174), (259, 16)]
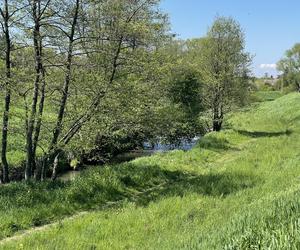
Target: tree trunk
[(37, 167), (218, 117), (79, 123), (217, 126), (65, 92), (37, 41), (5, 167), (44, 168), (55, 167), (5, 170)]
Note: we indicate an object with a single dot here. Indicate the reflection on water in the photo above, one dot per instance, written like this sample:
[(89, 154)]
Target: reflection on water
[(148, 150), (184, 144)]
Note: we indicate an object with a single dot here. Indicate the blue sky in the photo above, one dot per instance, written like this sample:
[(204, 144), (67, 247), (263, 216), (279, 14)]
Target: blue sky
[(271, 26)]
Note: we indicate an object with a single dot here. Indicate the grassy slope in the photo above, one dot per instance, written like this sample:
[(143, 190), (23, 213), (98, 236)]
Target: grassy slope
[(261, 96), (237, 190)]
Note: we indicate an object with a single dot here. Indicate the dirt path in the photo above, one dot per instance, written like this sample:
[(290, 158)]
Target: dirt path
[(27, 232), (24, 233)]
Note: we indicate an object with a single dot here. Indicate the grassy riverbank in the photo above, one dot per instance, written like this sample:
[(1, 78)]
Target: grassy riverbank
[(237, 189)]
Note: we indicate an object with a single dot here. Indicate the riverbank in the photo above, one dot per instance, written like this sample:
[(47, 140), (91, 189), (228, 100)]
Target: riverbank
[(235, 189), (184, 144)]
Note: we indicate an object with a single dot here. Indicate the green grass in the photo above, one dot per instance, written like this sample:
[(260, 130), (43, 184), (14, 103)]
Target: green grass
[(263, 96), (238, 189)]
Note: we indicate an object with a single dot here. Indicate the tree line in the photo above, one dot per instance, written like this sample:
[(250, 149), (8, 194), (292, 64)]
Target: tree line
[(98, 77)]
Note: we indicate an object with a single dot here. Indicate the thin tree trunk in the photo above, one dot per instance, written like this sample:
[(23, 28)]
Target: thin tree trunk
[(55, 167), (38, 67), (217, 121), (65, 93), (37, 168), (217, 126), (5, 170), (217, 114), (78, 124)]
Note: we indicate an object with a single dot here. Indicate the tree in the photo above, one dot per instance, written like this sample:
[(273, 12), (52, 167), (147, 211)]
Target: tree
[(289, 65), (38, 15), (72, 36), (8, 13), (99, 45), (107, 75), (224, 68), (122, 40), (6, 17), (185, 86), (117, 35), (53, 27)]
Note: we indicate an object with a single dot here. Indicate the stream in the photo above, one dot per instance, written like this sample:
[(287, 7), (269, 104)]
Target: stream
[(134, 154)]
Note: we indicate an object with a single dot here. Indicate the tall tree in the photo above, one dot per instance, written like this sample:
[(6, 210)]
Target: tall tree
[(72, 36), (6, 17), (224, 68), (38, 12), (115, 33), (65, 90)]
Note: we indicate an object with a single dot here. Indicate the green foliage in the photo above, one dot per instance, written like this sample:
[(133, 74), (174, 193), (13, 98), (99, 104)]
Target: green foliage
[(290, 68), (238, 189), (148, 86), (74, 163), (224, 69)]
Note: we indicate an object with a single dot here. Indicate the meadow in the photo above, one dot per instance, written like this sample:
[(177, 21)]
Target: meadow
[(237, 189)]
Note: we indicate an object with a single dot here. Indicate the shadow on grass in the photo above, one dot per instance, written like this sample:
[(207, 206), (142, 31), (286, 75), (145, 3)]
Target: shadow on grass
[(35, 204), (165, 183), (215, 144), (257, 134), (138, 183)]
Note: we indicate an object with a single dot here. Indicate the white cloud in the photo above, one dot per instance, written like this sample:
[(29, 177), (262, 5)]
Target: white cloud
[(268, 66)]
